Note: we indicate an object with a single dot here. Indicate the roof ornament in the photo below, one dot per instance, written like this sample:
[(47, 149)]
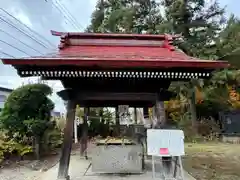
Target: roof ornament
[(168, 42), (64, 41), (56, 33)]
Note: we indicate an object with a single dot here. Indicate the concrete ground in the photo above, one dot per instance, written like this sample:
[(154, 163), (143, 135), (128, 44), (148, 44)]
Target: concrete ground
[(80, 169)]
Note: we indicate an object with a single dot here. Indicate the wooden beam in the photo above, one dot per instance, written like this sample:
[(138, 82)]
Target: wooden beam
[(87, 96), (116, 85), (113, 104), (97, 95), (67, 142)]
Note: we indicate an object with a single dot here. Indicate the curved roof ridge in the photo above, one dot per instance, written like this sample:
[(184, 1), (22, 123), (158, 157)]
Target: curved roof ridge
[(114, 35)]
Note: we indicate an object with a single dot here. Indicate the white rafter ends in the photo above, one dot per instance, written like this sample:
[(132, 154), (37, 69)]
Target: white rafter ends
[(117, 74)]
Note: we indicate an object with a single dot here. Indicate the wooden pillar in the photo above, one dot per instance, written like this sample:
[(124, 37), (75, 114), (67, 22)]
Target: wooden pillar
[(135, 115), (84, 139), (67, 141), (117, 121)]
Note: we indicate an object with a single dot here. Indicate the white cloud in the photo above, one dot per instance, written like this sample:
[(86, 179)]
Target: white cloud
[(93, 3), (21, 16), (42, 17)]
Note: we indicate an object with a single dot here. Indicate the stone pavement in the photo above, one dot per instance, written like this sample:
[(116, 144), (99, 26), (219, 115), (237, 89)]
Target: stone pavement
[(80, 169)]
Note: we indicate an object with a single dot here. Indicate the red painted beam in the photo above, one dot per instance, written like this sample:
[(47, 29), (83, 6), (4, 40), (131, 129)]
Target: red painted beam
[(119, 63)]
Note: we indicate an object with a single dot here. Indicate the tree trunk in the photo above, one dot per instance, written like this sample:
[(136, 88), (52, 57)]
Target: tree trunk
[(117, 121), (192, 104), (160, 115), (37, 147)]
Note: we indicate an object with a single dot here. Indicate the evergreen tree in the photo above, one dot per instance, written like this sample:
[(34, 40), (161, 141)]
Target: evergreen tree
[(229, 38), (199, 22), (126, 16)]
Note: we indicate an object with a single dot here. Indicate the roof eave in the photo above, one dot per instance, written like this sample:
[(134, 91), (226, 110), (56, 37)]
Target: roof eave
[(116, 63)]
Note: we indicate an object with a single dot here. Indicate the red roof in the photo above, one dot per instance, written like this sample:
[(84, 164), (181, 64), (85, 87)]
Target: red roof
[(117, 50)]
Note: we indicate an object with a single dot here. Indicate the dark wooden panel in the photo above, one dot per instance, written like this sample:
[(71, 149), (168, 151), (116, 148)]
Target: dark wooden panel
[(117, 85)]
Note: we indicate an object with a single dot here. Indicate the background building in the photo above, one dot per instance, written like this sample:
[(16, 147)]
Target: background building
[(55, 114), (4, 92)]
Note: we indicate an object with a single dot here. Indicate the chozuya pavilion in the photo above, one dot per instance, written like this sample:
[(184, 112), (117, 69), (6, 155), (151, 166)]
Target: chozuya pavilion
[(107, 70)]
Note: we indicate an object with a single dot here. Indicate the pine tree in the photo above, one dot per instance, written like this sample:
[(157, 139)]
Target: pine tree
[(199, 21), (126, 16), (229, 39)]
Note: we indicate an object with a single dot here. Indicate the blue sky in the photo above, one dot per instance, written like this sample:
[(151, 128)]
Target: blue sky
[(42, 16), (232, 6)]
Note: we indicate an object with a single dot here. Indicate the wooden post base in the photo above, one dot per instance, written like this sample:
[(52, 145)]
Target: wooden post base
[(67, 178)]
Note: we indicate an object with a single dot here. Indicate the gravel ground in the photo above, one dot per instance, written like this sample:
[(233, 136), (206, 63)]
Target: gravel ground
[(19, 173), (27, 170), (213, 161), (30, 169)]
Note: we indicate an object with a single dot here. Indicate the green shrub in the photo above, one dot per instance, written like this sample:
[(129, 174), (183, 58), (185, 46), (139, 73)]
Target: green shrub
[(10, 146)]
